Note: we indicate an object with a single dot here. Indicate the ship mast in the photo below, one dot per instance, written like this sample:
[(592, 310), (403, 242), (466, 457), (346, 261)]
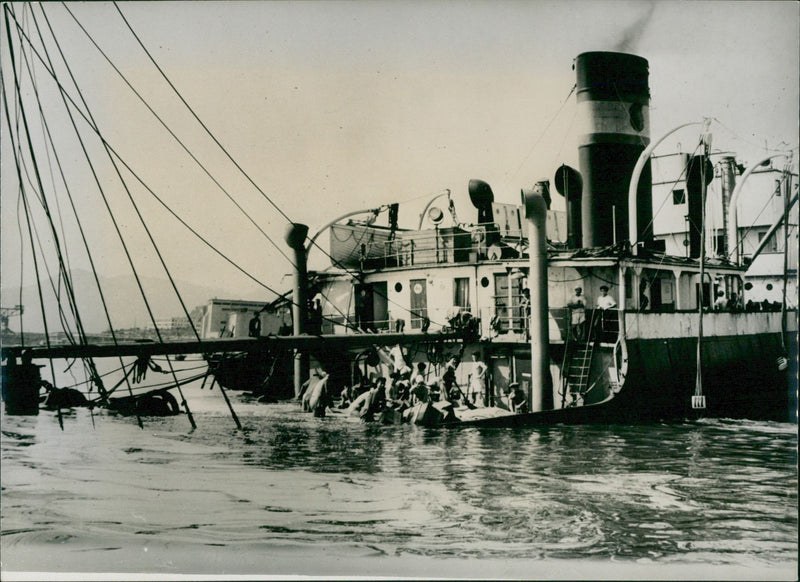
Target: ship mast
[(698, 399)]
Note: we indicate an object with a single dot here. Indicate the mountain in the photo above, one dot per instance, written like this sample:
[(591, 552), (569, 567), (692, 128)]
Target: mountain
[(123, 298)]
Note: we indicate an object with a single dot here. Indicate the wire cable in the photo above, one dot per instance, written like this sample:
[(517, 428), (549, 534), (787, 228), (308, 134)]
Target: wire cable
[(169, 130), (194, 114), (222, 148)]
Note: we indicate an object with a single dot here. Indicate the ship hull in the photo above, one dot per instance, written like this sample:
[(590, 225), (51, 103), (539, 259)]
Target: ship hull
[(740, 379), (639, 379)]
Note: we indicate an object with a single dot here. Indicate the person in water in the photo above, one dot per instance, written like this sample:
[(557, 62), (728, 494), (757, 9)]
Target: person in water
[(447, 383), (419, 390), (516, 399)]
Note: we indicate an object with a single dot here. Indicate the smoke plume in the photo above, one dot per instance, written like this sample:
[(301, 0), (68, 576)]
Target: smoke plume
[(631, 35)]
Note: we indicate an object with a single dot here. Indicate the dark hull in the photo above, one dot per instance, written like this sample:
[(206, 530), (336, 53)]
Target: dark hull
[(740, 379), (238, 372)]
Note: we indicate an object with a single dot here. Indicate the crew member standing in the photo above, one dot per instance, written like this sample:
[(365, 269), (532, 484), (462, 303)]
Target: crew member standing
[(604, 302), (255, 325), (525, 311), (577, 306), (477, 381)]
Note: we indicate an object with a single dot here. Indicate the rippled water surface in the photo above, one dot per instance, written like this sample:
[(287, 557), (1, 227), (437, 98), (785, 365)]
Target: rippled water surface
[(295, 494)]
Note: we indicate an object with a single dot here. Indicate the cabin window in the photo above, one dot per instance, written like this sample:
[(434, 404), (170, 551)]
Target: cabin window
[(461, 292), (507, 303), (628, 286), (679, 196), (772, 243)]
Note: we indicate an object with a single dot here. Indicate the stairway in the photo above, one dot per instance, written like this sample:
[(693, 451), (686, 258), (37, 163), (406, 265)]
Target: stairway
[(578, 369)]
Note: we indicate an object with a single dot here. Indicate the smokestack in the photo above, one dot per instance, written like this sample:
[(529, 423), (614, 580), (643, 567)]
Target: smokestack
[(613, 106)]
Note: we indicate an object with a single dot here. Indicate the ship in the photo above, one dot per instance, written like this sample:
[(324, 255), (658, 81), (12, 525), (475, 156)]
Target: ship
[(521, 316), (571, 317)]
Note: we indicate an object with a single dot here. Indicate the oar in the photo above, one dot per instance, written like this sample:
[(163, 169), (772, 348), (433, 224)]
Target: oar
[(469, 404)]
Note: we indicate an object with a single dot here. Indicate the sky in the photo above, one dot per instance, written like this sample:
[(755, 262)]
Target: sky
[(331, 107)]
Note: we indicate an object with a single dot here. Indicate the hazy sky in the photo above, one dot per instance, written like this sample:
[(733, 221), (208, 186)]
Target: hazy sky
[(335, 106)]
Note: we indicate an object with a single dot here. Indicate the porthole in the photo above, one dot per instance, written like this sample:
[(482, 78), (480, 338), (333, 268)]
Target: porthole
[(484, 282), (398, 286)]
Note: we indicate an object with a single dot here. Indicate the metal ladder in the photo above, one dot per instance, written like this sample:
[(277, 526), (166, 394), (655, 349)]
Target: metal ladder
[(580, 364)]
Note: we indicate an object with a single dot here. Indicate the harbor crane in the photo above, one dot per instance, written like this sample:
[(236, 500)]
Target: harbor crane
[(6, 313)]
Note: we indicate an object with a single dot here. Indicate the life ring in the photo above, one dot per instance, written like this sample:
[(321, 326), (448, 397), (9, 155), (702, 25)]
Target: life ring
[(161, 403), (372, 359)]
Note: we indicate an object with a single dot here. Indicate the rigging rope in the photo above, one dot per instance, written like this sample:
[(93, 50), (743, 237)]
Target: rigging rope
[(226, 152), (62, 266), (30, 232), (84, 116), (46, 129), (741, 241), (547, 127), (106, 144), (169, 130), (194, 114), (136, 276)]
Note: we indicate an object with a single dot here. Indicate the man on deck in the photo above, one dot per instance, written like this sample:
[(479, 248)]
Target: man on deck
[(577, 306), (605, 301), (255, 325)]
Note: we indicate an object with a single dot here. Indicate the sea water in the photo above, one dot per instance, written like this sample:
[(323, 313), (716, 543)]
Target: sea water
[(291, 494)]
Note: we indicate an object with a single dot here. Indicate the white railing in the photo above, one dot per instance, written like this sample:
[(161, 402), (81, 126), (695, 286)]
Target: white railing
[(435, 247)]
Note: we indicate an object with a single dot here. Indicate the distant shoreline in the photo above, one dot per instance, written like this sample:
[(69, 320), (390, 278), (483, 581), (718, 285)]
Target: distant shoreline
[(39, 339)]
